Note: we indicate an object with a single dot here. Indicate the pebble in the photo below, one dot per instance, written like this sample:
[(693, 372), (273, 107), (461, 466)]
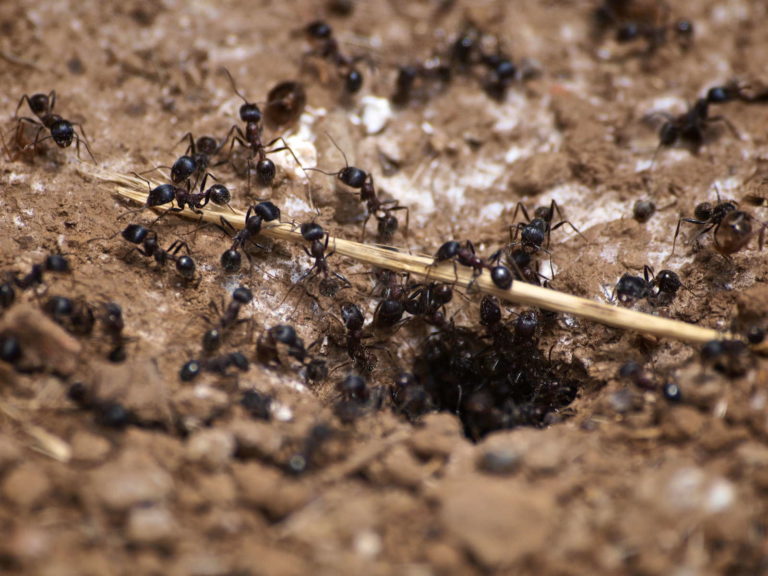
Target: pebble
[(133, 479), (151, 525), (256, 439), (376, 113), (212, 448), (438, 436), (27, 485), (87, 447), (500, 522), (269, 490)]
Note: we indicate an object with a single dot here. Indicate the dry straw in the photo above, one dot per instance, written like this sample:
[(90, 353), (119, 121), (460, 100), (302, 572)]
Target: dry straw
[(420, 265)]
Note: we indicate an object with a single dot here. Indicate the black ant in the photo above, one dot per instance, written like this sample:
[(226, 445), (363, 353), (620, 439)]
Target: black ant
[(465, 255), (150, 247), (219, 364), (659, 288), (535, 232), (61, 131), (251, 139), (428, 301), (201, 151), (414, 79), (314, 234), (326, 47), (212, 339), (409, 396), (108, 413), (690, 126), (53, 263), (258, 405), (76, 316), (255, 216), (354, 321), (113, 323), (277, 339), (731, 228), (730, 357)]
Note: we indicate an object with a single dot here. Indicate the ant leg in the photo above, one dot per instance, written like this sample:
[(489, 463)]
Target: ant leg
[(191, 146), (87, 147), (21, 101), (728, 123), (518, 207), (285, 147), (51, 100)]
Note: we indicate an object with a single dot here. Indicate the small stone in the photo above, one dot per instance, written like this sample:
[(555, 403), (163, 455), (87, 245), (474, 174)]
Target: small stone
[(376, 113), (27, 485), (268, 490), (151, 525), (133, 479), (438, 436), (500, 461), (212, 448), (256, 439), (88, 447)]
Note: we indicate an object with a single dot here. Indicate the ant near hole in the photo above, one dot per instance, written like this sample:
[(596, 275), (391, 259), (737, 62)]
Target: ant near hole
[(313, 233), (251, 140), (60, 130), (732, 229)]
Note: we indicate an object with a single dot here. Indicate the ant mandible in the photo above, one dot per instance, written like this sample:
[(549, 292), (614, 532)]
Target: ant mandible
[(61, 131)]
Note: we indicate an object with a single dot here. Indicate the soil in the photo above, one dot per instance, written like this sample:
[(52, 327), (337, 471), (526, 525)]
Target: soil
[(621, 481)]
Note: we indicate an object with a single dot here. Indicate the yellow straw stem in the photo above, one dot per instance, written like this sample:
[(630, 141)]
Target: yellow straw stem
[(420, 265)]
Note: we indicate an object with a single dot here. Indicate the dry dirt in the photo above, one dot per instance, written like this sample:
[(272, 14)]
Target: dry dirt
[(621, 482)]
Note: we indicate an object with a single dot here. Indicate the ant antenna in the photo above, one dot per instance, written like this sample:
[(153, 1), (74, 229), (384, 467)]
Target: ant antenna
[(234, 86)]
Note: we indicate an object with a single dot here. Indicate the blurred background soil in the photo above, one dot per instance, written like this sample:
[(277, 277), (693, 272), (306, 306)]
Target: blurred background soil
[(622, 481)]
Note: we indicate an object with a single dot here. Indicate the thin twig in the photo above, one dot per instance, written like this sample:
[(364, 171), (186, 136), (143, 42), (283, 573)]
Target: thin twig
[(421, 265)]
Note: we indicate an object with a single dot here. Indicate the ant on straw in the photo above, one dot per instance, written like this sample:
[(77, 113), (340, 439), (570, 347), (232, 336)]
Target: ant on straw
[(251, 139), (465, 255), (255, 216), (60, 130)]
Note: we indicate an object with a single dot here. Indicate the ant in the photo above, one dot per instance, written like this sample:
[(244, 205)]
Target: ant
[(731, 228), (113, 323), (251, 139), (108, 413), (201, 151), (730, 357), (409, 396), (354, 320), (278, 338), (255, 216), (314, 234), (326, 47), (10, 349), (150, 247), (219, 364), (535, 232), (428, 301), (689, 127), (258, 405), (212, 339), (415, 79), (75, 316), (659, 288), (52, 263), (465, 255), (61, 131)]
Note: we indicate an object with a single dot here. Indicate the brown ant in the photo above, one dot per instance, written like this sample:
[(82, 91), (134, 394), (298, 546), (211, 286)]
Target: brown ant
[(731, 228), (251, 139), (61, 131), (325, 46), (285, 103)]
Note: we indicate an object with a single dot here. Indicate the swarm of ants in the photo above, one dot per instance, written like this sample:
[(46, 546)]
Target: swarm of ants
[(497, 376)]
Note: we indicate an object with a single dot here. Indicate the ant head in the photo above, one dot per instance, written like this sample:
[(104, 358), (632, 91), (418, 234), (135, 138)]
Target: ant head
[(242, 295), (207, 145), (684, 28), (39, 103), (627, 32), (285, 334), (353, 81), (62, 133), (57, 263), (231, 260), (319, 30), (185, 266), (490, 312), (220, 194), (526, 325), (352, 316), (184, 167), (312, 231), (703, 211)]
